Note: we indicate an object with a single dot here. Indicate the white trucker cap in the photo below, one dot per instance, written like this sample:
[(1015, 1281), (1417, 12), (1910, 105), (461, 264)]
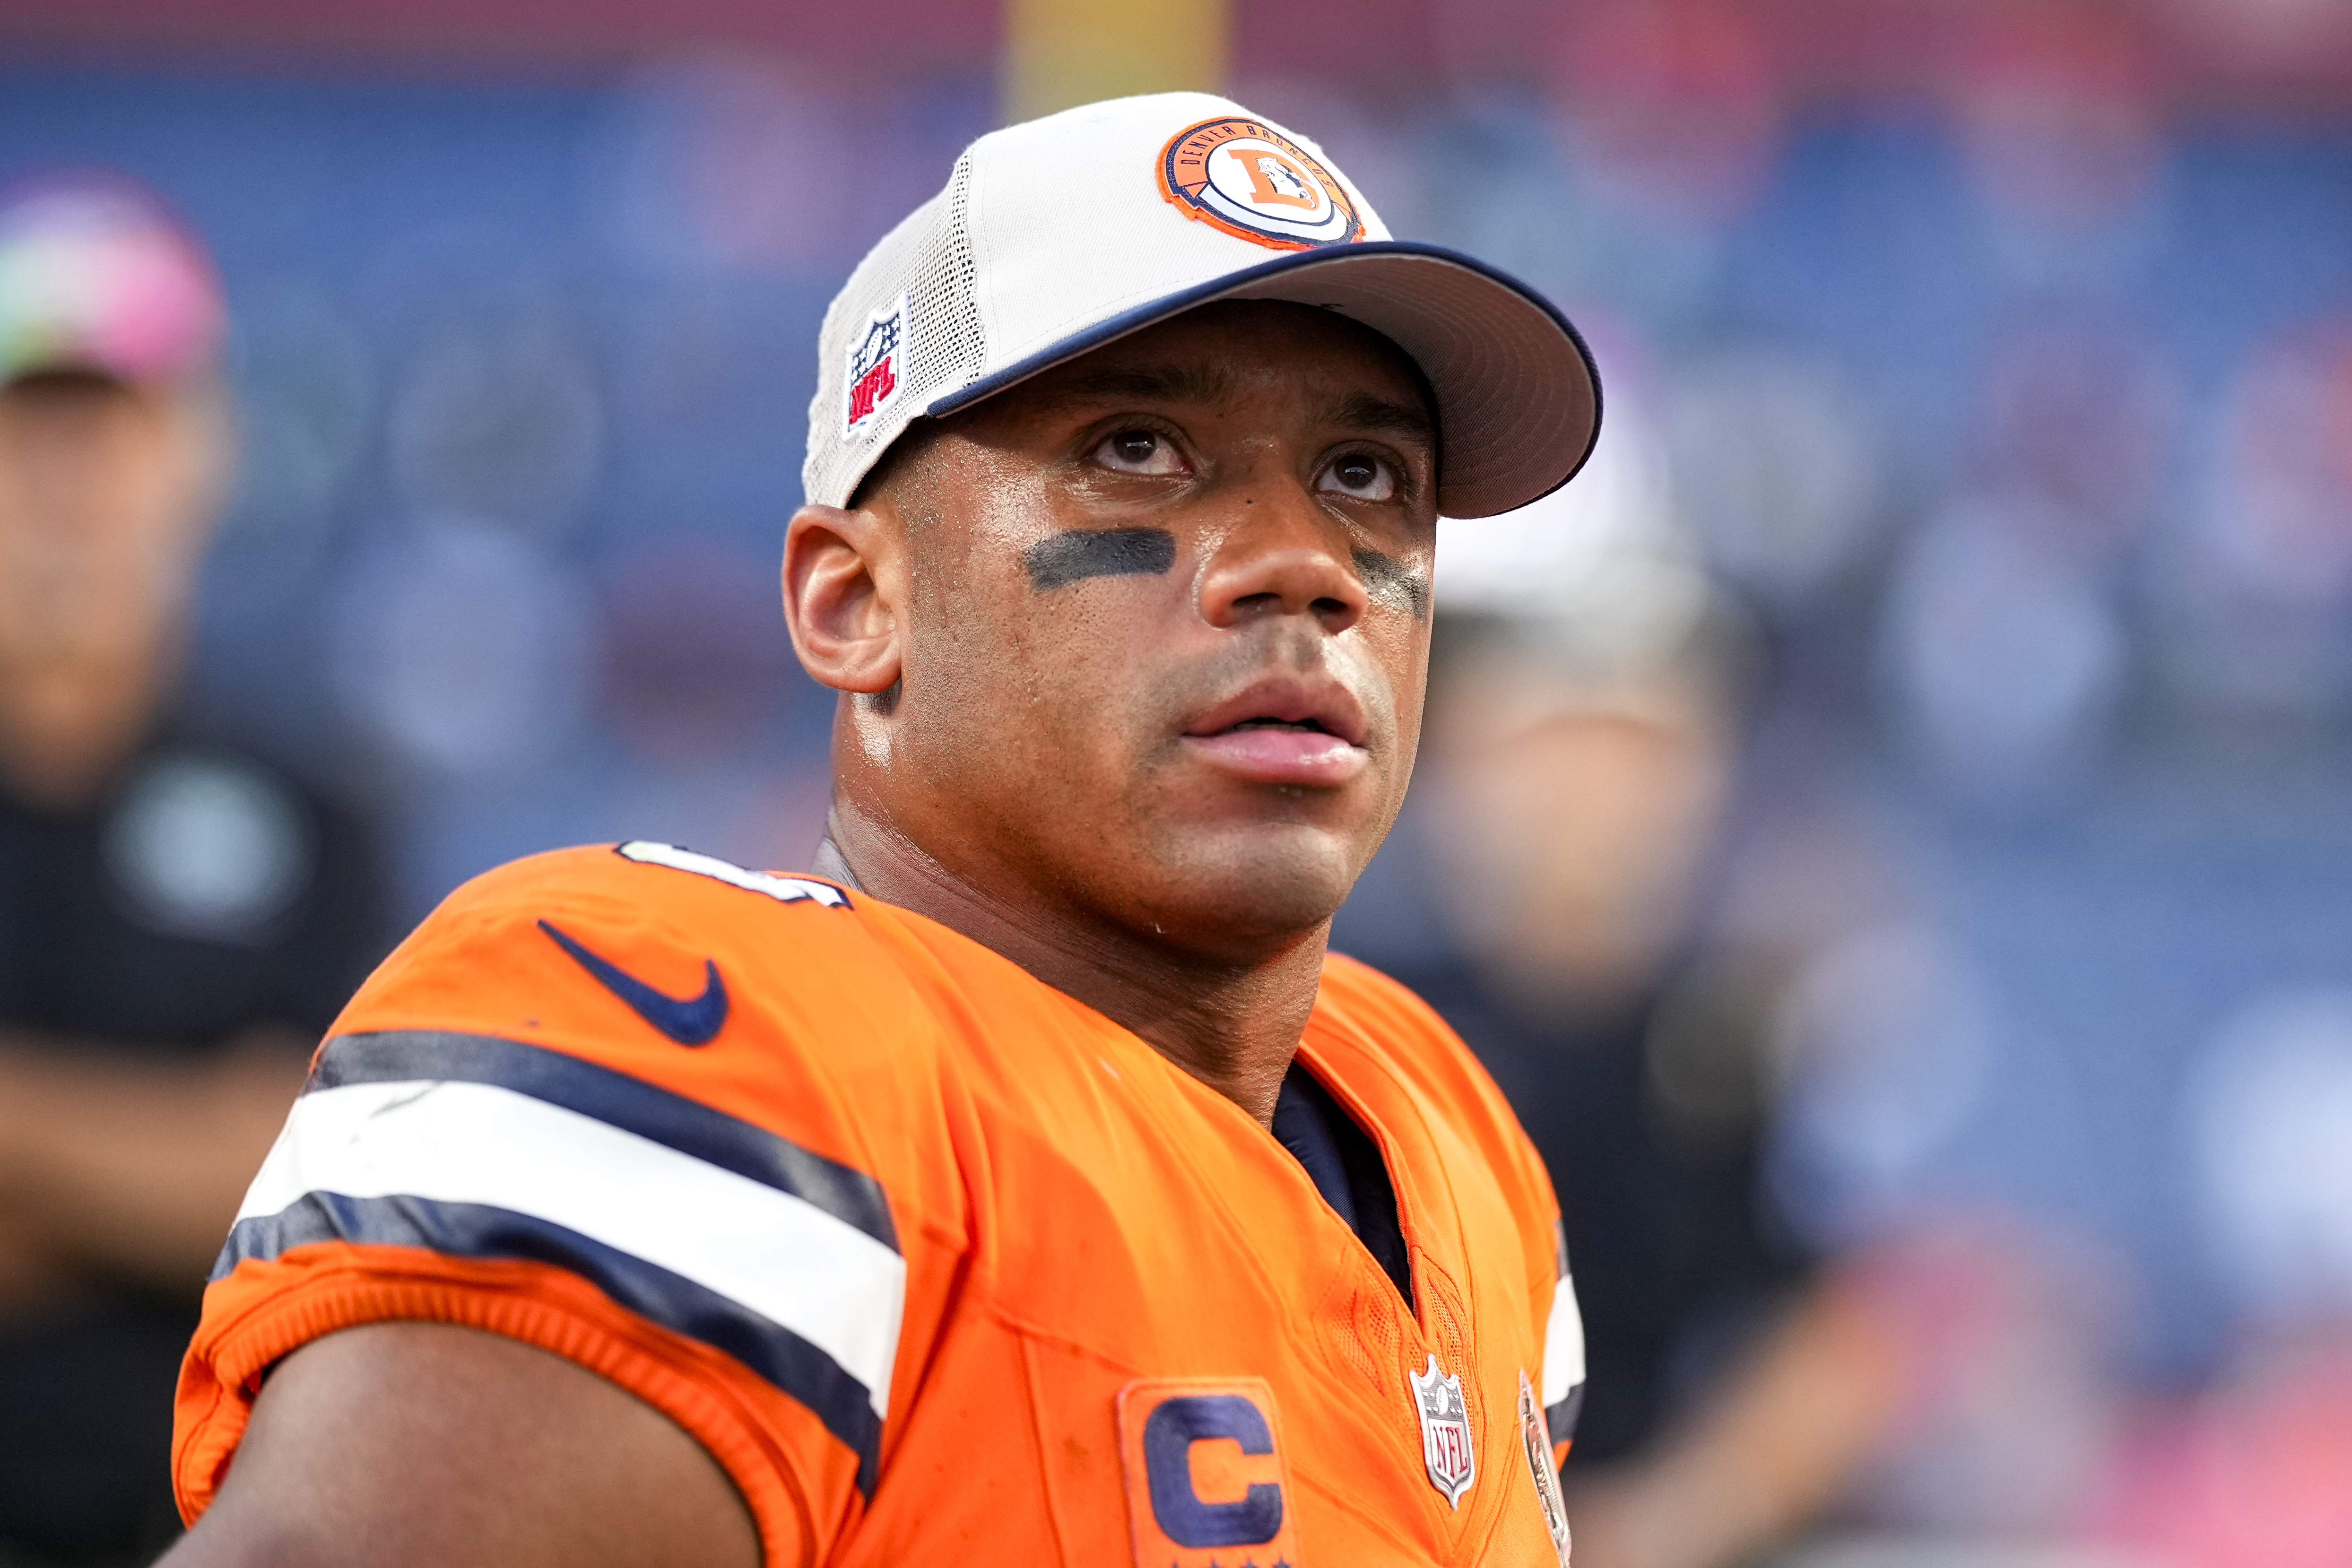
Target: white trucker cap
[(1055, 237)]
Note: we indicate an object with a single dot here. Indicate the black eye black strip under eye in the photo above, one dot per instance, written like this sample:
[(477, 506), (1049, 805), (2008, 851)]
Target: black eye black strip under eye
[(1393, 583), (1081, 553)]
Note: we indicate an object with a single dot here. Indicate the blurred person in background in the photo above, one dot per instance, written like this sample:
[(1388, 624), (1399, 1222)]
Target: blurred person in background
[(178, 919), (1583, 714), (2248, 1470)]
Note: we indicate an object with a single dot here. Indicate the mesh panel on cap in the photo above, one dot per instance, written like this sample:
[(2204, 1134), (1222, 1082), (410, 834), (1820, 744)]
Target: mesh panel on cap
[(929, 259), (947, 341)]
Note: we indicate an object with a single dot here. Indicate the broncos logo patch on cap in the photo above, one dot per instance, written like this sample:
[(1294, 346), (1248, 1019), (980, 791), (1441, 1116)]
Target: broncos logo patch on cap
[(1251, 181)]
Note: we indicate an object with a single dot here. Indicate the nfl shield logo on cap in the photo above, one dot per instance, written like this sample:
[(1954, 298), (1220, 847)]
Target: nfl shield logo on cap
[(872, 375), (1444, 1431)]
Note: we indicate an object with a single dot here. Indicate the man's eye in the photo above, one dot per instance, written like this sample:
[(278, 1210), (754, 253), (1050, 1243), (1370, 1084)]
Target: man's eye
[(1139, 452), (1361, 476)]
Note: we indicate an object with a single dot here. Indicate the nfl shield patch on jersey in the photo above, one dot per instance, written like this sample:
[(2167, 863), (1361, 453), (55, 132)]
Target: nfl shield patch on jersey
[(1444, 1431)]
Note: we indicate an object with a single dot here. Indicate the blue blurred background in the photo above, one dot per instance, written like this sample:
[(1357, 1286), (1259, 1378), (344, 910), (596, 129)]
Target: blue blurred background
[(1985, 370)]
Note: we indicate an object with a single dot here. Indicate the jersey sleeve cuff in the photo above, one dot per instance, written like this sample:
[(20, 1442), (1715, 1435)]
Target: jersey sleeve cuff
[(778, 1455)]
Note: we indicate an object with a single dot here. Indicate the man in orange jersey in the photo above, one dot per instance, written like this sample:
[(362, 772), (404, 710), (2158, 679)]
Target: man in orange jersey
[(1030, 1185)]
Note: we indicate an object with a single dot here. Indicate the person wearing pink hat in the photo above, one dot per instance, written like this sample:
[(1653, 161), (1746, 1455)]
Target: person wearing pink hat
[(175, 914)]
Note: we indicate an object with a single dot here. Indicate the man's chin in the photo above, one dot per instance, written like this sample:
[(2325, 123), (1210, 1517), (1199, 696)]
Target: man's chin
[(1242, 895)]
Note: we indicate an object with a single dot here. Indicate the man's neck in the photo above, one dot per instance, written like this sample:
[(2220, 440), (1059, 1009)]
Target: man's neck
[(1232, 1025)]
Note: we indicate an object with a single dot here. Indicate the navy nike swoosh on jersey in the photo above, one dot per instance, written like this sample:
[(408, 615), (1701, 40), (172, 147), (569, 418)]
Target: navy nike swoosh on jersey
[(689, 1021)]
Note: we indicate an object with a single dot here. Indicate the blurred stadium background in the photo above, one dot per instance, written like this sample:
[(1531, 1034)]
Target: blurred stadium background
[(1980, 400)]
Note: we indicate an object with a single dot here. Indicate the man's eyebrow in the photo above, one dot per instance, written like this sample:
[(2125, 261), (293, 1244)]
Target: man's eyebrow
[(1386, 416), (1153, 384), (1197, 383)]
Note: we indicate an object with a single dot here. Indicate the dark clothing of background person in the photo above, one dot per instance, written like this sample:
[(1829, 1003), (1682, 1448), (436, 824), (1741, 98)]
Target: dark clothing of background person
[(203, 896), (1649, 1120)]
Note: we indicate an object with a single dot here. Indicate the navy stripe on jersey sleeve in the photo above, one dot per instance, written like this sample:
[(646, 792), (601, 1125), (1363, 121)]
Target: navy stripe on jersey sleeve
[(615, 1099), (672, 1300), (1563, 1369), (1559, 1420), (473, 1147)]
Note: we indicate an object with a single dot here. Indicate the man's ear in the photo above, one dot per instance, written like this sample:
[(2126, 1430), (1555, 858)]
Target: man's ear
[(845, 596)]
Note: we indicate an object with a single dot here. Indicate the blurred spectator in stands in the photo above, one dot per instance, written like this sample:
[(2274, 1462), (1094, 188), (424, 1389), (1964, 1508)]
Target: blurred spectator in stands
[(2006, 645), (2250, 1473), (2058, 111), (2258, 585), (178, 920), (1585, 687)]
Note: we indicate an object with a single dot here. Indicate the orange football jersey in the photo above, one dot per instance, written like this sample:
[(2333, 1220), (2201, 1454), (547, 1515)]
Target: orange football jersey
[(941, 1265)]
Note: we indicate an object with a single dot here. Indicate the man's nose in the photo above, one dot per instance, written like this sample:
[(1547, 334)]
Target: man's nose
[(1282, 554)]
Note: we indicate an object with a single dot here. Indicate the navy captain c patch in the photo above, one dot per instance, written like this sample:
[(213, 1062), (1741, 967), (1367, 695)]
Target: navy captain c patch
[(1205, 1479)]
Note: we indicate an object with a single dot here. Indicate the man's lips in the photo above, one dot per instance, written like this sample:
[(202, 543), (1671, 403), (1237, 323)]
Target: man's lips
[(1282, 756), (1285, 732)]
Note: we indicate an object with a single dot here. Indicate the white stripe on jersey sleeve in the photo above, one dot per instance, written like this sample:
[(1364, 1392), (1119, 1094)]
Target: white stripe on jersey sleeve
[(767, 1250), (1563, 1363)]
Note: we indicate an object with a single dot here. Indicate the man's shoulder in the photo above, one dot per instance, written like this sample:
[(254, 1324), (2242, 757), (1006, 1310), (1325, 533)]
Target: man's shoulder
[(648, 902), (646, 876), (675, 1120), (655, 961)]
